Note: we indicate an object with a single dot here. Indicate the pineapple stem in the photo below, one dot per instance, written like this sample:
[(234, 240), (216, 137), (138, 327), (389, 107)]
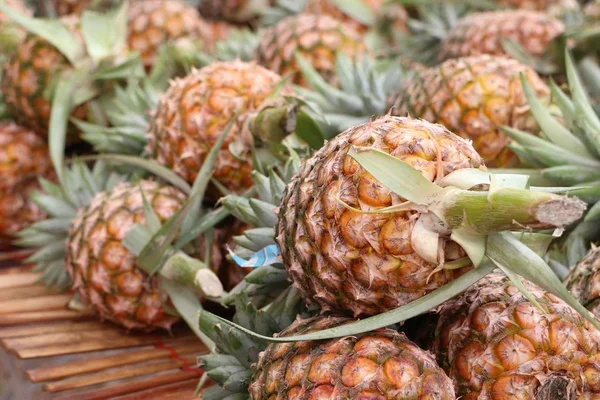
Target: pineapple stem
[(274, 123), (191, 272), (508, 209)]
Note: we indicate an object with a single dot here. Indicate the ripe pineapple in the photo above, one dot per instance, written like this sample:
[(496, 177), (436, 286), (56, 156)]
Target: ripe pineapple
[(483, 33), (495, 344), (195, 110), (23, 159), (319, 39), (29, 73), (155, 22), (377, 364), (354, 257), (103, 271), (473, 97)]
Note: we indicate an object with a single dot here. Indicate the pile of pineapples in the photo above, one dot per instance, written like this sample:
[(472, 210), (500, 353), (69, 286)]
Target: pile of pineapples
[(381, 199)]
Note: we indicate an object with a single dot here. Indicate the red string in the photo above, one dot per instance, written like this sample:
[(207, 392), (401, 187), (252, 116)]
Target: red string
[(175, 356)]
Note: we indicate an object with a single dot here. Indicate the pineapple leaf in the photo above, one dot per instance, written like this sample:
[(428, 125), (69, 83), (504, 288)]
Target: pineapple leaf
[(571, 175), (472, 242), (425, 241), (417, 307), (152, 221), (62, 105), (583, 109), (396, 175), (188, 306), (504, 249), (265, 212), (150, 166), (554, 130), (105, 34), (593, 214), (203, 224), (51, 30), (466, 178)]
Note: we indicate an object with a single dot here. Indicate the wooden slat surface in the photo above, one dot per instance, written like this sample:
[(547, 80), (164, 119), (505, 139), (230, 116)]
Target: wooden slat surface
[(98, 364), (73, 355)]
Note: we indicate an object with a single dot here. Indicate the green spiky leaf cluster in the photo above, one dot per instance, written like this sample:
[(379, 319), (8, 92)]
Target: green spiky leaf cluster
[(230, 366), (567, 153), (127, 119), (61, 203), (260, 213), (362, 90)]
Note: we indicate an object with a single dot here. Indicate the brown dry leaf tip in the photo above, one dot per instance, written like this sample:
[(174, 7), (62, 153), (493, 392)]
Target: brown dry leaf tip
[(318, 39), (360, 261), (495, 344), (195, 110), (473, 97), (24, 158), (484, 32), (378, 364), (103, 271)]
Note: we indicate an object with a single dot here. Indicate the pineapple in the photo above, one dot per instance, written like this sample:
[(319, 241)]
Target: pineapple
[(473, 97), (496, 344), (195, 110), (90, 240), (540, 5), (319, 39), (155, 22), (343, 246), (378, 364), (103, 271), (23, 159), (30, 72), (483, 33)]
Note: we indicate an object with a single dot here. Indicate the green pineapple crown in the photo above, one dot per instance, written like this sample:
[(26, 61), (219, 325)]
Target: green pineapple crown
[(566, 153), (231, 365), (267, 281), (61, 203), (362, 90)]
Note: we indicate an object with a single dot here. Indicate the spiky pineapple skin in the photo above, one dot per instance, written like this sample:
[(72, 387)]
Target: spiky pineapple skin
[(583, 281), (474, 97), (395, 13), (103, 271), (483, 33), (356, 263), (317, 38), (495, 344), (195, 111), (538, 5), (155, 22), (29, 72), (24, 159), (375, 365)]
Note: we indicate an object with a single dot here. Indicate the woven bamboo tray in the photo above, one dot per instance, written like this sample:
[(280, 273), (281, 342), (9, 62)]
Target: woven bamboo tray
[(51, 352)]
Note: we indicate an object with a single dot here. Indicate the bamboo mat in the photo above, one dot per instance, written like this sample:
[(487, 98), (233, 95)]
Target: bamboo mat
[(50, 352)]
